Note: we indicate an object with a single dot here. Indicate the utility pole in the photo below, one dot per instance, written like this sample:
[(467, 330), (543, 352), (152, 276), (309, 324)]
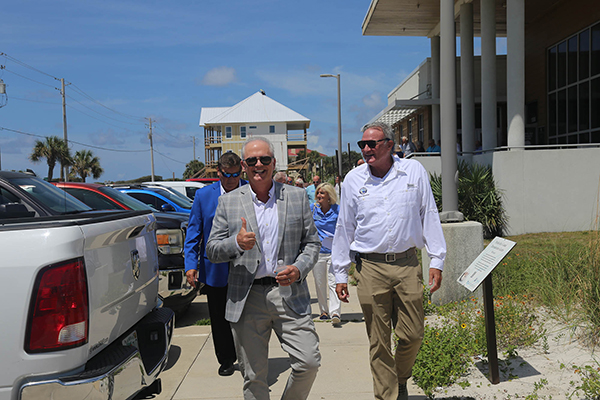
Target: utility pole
[(64, 168), (194, 138), (151, 147)]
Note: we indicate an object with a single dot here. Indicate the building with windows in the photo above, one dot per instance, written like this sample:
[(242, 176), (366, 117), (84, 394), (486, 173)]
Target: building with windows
[(227, 128), (535, 110)]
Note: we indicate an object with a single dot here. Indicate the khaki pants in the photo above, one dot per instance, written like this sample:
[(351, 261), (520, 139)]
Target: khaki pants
[(392, 293)]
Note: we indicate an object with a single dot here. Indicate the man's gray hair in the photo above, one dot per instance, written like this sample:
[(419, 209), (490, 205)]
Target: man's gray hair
[(260, 139), (388, 133), (279, 176)]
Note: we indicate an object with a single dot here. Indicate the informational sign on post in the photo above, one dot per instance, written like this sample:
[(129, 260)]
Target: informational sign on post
[(485, 263)]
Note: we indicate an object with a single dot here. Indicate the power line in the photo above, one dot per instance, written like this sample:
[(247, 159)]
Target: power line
[(177, 161), (73, 141), (77, 89), (72, 107), (29, 79), (167, 132), (99, 113), (34, 101), (27, 65)]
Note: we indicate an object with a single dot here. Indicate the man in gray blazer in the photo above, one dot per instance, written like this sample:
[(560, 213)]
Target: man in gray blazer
[(259, 228)]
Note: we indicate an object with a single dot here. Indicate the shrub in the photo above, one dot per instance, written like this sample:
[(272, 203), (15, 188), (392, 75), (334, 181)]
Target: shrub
[(478, 197)]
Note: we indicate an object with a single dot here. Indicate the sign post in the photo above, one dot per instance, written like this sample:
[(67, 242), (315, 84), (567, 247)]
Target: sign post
[(479, 271)]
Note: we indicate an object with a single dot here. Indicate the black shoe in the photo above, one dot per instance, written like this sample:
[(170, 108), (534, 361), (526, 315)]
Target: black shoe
[(226, 369), (402, 392)]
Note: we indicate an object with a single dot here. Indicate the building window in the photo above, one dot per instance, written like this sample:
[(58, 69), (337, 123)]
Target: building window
[(574, 88), (409, 130), (243, 132), (271, 128), (421, 128), (228, 132)]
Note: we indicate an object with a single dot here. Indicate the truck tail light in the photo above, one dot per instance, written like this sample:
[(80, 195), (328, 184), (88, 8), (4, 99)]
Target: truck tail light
[(58, 316), (170, 241)]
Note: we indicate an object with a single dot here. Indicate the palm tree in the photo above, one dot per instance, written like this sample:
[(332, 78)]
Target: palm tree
[(54, 150), (85, 164)]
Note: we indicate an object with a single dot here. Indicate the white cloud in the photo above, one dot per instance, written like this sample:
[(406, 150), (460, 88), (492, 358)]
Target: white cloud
[(220, 76)]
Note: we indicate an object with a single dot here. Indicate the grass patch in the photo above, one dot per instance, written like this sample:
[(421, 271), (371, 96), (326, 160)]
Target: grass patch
[(557, 271), (203, 321)]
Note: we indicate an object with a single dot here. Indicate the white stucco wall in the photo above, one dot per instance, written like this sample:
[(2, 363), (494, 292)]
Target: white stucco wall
[(543, 190), (549, 190)]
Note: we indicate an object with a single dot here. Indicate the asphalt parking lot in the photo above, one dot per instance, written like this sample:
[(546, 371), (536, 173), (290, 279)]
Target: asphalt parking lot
[(191, 373)]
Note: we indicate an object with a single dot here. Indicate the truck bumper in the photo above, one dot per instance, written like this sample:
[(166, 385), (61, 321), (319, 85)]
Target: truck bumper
[(120, 371), (174, 290)]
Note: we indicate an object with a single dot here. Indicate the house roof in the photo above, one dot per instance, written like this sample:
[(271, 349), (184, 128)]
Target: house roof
[(254, 109)]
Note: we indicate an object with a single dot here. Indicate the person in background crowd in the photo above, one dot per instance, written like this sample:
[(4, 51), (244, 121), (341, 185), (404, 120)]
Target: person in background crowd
[(280, 177), (433, 148), (387, 211), (407, 146), (420, 148), (299, 183), (311, 189), (199, 268), (338, 185), (266, 232), (325, 213)]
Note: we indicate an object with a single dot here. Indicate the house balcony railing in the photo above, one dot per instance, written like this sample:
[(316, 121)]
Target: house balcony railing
[(296, 136)]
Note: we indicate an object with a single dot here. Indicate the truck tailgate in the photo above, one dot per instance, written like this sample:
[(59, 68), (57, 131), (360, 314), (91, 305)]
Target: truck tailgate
[(121, 265)]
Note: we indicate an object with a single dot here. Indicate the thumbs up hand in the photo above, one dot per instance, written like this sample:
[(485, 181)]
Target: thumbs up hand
[(245, 239)]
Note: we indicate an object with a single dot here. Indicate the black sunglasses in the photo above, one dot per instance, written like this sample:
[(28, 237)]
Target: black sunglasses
[(264, 160), (370, 143), (226, 175)]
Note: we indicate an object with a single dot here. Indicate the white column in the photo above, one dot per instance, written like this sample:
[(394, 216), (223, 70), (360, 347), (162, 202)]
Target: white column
[(435, 86), (515, 67), (488, 74), (448, 112), (467, 85)]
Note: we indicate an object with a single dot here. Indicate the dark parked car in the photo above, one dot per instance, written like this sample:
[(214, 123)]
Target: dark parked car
[(170, 236)]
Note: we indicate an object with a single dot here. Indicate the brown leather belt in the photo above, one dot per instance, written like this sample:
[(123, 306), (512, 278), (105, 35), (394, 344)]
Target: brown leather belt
[(387, 257), (265, 281)]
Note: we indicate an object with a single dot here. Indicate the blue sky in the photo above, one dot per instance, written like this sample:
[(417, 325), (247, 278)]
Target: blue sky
[(130, 60)]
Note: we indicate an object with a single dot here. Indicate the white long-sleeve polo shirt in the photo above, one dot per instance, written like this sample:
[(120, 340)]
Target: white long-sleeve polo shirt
[(387, 215)]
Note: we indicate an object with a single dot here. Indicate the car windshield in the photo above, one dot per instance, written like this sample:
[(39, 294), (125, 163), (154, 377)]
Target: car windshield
[(122, 198), (50, 196), (176, 198)]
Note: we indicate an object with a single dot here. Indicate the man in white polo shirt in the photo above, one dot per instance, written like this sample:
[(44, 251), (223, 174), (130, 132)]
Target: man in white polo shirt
[(387, 211)]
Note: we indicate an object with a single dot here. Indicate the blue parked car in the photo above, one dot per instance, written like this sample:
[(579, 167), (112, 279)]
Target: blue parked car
[(161, 199)]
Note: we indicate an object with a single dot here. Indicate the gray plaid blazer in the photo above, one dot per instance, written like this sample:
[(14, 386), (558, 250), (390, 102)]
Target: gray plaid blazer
[(298, 244)]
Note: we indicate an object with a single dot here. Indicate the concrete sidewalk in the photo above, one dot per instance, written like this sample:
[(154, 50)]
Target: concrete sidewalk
[(344, 373)]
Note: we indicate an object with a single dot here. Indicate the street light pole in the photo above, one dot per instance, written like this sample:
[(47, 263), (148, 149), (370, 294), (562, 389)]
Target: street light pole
[(339, 120)]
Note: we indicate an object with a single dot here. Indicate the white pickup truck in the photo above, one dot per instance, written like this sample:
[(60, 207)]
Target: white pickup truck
[(78, 290)]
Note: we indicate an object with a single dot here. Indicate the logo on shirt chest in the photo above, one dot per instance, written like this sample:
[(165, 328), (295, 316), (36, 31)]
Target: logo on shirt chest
[(362, 190)]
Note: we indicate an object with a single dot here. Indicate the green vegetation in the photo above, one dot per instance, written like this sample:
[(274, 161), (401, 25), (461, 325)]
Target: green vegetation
[(54, 150), (85, 164), (192, 168), (478, 197), (557, 271)]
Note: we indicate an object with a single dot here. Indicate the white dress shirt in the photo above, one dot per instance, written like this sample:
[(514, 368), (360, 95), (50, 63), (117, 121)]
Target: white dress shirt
[(268, 230), (387, 215)]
